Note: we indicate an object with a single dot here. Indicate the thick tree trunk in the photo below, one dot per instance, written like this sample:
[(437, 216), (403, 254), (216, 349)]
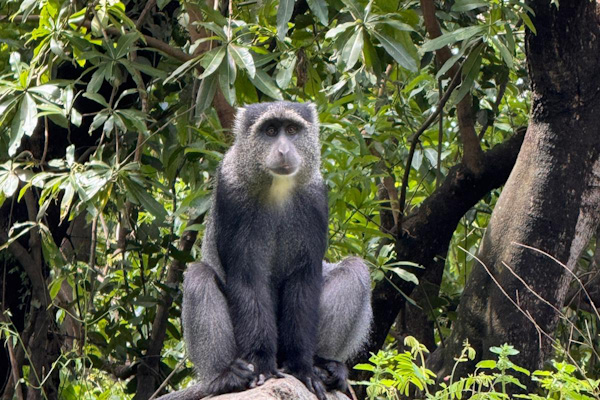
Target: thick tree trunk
[(551, 201)]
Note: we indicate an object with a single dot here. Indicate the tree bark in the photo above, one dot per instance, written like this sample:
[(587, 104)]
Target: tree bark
[(551, 200)]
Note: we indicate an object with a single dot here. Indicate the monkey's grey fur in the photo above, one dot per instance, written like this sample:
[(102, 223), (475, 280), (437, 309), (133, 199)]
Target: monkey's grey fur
[(271, 174)]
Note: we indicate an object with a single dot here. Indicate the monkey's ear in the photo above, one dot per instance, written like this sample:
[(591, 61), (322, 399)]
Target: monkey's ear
[(240, 122), (314, 113)]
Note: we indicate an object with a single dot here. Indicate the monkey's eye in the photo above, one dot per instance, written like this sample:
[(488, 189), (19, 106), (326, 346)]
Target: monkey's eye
[(291, 129), (271, 131)]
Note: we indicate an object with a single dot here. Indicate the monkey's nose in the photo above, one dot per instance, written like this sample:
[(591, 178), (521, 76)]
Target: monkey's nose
[(283, 150)]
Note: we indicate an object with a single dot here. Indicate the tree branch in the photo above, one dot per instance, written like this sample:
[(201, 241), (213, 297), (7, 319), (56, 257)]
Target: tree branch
[(472, 155), (142, 18), (426, 233)]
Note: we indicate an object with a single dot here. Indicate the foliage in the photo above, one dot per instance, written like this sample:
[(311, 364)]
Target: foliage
[(405, 374)]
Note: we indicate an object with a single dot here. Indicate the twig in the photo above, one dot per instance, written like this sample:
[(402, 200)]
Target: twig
[(14, 365), (438, 176), (144, 14), (45, 152), (167, 379), (526, 313), (415, 139), (568, 270)]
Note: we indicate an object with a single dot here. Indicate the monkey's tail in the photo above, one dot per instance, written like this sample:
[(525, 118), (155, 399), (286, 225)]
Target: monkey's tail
[(194, 392)]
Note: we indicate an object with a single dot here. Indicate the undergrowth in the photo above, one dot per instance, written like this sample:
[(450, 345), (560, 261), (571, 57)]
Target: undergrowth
[(400, 375)]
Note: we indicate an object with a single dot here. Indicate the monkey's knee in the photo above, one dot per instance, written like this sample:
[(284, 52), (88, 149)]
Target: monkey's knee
[(345, 309), (207, 327)]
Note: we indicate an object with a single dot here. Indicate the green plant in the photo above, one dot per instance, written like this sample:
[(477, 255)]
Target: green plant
[(405, 374)]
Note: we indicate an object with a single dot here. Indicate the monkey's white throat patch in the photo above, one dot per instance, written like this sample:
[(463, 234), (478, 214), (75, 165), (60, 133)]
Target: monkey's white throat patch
[(281, 189)]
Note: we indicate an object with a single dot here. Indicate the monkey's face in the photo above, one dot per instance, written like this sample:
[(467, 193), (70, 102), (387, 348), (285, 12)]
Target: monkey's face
[(276, 140), (281, 138)]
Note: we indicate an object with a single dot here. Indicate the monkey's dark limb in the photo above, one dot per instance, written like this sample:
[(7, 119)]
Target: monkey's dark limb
[(334, 374), (247, 286), (235, 378)]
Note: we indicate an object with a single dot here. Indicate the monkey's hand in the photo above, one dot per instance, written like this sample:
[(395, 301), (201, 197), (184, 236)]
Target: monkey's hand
[(238, 376)]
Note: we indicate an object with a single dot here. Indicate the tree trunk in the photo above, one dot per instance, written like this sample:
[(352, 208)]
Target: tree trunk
[(551, 200)]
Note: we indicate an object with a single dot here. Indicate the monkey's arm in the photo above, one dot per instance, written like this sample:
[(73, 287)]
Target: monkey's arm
[(247, 282)]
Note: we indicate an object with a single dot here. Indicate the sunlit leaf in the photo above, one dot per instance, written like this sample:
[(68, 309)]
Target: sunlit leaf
[(284, 13), (352, 49), (243, 59), (319, 9), (265, 84), (397, 51)]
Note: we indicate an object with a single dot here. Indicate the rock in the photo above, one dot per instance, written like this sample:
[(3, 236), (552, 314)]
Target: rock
[(288, 388)]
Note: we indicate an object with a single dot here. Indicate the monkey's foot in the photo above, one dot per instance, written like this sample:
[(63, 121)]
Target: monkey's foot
[(237, 377), (334, 374), (314, 384), (310, 379), (262, 378)]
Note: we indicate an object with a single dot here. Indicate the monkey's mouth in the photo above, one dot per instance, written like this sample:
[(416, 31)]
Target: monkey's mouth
[(284, 169)]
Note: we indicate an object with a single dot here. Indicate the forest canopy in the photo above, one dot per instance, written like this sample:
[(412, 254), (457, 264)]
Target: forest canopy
[(115, 114)]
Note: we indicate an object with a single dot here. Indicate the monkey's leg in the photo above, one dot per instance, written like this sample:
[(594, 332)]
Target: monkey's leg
[(298, 327), (345, 318), (208, 333)]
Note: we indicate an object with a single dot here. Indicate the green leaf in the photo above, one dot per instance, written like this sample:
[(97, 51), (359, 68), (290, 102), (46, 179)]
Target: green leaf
[(265, 84), (97, 98), (528, 22), (285, 71), (352, 49), (319, 9), (243, 59), (9, 184), (284, 13), (365, 367), (470, 70), (24, 122), (143, 198), (452, 37), (332, 33), (183, 68), (212, 60), (162, 3), (355, 9), (206, 93), (452, 60), (506, 56), (489, 364), (96, 79), (467, 5), (55, 287), (404, 274), (125, 44), (370, 56), (401, 26), (145, 68), (227, 75), (397, 51)]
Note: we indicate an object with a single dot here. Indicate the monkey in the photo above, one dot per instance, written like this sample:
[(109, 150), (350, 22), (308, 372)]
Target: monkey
[(262, 301)]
